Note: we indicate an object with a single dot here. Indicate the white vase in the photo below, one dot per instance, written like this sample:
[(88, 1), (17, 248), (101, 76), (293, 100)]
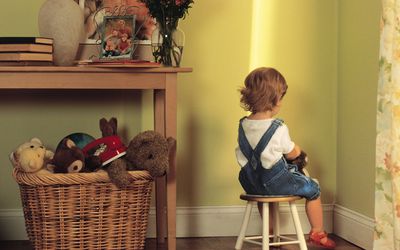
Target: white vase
[(62, 20)]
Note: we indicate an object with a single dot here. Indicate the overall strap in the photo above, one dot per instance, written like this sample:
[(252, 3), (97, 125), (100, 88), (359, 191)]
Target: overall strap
[(244, 144), (267, 136), (253, 155)]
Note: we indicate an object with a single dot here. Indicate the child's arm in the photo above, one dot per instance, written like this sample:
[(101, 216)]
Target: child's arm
[(294, 153)]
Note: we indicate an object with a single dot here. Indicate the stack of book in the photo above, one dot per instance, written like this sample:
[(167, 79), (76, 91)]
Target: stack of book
[(26, 51)]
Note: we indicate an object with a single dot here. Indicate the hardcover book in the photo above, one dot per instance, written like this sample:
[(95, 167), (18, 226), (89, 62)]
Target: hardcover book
[(25, 56), (43, 48), (25, 63), (22, 40)]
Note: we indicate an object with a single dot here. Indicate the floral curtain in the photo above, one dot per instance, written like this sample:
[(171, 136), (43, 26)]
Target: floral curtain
[(387, 186)]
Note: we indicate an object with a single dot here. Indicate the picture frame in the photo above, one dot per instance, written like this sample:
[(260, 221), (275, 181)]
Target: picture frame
[(117, 37), (95, 11)]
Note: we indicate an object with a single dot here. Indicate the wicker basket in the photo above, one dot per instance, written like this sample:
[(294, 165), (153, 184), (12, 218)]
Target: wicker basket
[(84, 210)]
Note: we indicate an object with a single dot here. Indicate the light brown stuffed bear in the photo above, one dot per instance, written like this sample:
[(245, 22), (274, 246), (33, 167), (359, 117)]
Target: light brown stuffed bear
[(31, 156), (149, 151)]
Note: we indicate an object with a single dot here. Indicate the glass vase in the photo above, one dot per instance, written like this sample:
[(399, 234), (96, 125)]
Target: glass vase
[(167, 42)]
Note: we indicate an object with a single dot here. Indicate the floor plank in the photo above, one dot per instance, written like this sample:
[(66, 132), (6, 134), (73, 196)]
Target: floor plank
[(212, 243), (228, 243)]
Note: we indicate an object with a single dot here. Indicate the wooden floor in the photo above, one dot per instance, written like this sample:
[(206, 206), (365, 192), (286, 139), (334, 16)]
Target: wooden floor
[(217, 243)]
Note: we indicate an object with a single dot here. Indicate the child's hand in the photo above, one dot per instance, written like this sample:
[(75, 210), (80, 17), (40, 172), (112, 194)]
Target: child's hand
[(296, 151), (300, 161)]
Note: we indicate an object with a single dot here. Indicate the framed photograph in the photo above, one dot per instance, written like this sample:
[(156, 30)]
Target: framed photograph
[(95, 10), (117, 37)]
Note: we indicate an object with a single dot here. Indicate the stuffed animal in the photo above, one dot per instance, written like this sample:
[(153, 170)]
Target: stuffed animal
[(68, 158), (300, 161), (31, 156), (149, 151), (108, 128), (109, 147)]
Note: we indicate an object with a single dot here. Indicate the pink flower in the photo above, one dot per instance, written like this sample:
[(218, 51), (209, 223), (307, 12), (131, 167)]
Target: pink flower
[(179, 2)]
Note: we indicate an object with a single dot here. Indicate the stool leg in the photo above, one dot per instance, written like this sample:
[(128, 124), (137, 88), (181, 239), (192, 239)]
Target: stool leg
[(245, 223), (265, 227), (297, 225), (277, 231)]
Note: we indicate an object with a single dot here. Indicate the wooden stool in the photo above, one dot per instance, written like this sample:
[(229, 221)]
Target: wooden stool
[(265, 200)]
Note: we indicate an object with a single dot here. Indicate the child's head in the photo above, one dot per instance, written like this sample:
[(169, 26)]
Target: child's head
[(263, 89), (124, 37), (121, 23)]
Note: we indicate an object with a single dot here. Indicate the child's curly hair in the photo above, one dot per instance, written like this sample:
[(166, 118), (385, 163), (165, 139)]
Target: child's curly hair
[(262, 90)]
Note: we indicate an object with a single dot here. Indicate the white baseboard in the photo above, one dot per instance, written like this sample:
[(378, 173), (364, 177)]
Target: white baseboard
[(191, 221), (226, 221), (353, 227)]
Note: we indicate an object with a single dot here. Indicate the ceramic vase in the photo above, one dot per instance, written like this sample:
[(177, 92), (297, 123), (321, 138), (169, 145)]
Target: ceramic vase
[(62, 20)]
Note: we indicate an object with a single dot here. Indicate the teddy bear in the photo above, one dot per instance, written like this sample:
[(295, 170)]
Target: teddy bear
[(69, 158), (300, 161), (148, 150), (31, 156)]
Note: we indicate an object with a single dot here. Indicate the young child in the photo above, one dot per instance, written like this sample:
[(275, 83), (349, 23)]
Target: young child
[(264, 146)]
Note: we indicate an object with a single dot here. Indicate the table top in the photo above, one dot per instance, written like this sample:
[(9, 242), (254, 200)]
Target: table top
[(87, 77), (116, 68)]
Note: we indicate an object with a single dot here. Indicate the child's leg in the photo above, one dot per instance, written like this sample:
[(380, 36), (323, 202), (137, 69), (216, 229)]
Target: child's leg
[(314, 214), (315, 217)]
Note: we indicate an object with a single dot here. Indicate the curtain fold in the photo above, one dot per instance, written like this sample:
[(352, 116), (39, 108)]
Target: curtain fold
[(387, 179)]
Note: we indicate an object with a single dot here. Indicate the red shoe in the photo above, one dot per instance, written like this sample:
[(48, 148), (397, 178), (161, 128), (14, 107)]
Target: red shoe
[(321, 239)]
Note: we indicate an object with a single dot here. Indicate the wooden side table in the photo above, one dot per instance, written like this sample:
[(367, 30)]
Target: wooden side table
[(163, 82)]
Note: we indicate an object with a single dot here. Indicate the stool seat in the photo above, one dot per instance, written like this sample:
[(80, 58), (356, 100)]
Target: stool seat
[(265, 237), (269, 198)]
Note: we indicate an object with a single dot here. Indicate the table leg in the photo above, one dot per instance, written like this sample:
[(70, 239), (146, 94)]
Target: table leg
[(171, 130), (165, 106), (161, 201)]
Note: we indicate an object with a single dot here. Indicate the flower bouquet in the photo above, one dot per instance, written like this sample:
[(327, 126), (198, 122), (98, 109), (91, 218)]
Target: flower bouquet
[(167, 39)]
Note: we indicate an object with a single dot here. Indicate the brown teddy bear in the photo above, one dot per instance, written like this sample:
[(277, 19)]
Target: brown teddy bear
[(68, 158), (149, 151)]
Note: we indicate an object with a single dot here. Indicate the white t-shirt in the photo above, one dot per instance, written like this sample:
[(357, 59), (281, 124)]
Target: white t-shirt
[(279, 144)]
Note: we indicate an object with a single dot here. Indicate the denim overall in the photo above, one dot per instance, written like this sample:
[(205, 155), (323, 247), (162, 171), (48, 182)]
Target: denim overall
[(280, 179)]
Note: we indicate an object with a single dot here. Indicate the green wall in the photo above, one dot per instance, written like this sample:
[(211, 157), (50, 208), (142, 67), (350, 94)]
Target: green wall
[(300, 38), (357, 93)]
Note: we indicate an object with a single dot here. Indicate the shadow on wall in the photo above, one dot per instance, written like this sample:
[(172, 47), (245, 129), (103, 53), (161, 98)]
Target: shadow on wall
[(316, 171), (189, 166), (49, 113)]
